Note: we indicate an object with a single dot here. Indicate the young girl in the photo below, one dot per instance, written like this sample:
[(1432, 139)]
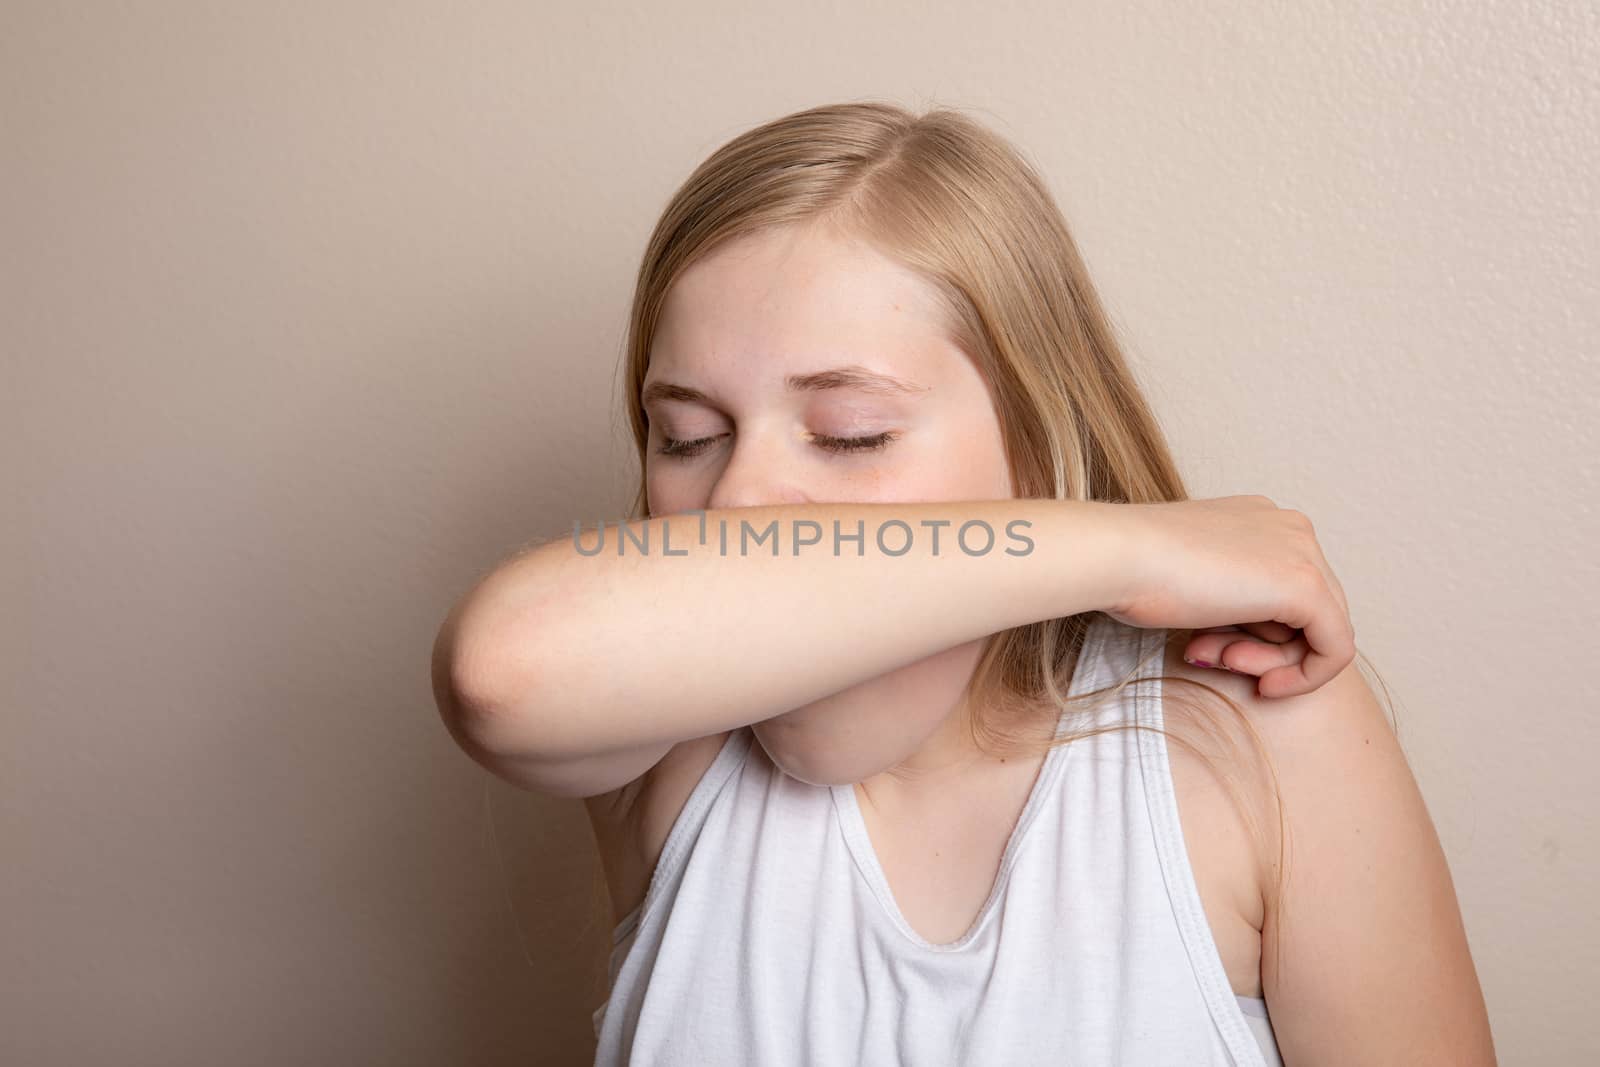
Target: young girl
[(870, 704)]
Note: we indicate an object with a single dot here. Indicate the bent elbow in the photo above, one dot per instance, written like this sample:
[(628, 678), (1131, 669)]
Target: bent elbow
[(484, 681)]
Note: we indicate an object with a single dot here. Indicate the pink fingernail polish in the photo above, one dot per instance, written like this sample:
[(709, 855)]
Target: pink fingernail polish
[(1197, 662)]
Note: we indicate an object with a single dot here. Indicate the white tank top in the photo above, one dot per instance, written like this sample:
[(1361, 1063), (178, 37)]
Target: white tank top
[(769, 935)]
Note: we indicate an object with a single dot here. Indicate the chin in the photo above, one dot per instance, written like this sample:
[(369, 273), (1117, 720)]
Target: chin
[(812, 757)]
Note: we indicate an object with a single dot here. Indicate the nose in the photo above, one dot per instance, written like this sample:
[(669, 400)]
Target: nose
[(758, 472)]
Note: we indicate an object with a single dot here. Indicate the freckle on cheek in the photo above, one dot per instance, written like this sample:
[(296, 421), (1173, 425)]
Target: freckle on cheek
[(868, 480)]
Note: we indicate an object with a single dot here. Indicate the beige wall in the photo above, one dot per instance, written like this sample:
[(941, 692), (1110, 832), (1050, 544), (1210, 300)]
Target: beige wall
[(311, 314)]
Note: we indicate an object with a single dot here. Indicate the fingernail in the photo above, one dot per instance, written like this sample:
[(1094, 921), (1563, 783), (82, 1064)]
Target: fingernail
[(1197, 662)]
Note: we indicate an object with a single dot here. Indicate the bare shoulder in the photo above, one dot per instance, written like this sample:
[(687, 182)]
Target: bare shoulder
[(1270, 749), (1364, 954), (631, 824)]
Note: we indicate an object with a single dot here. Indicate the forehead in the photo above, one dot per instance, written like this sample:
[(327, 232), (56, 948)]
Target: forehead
[(795, 299)]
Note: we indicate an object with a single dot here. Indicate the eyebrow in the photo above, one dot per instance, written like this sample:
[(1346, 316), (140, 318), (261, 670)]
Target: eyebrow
[(848, 377)]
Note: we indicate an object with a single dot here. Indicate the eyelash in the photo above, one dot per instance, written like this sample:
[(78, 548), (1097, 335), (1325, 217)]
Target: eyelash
[(838, 445)]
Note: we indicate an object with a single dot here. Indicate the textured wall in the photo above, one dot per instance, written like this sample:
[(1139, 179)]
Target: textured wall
[(312, 311)]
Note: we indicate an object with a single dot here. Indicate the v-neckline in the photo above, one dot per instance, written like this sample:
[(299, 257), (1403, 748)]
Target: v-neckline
[(853, 825)]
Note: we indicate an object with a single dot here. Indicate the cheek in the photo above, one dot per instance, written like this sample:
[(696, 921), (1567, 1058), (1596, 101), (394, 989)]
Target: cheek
[(667, 493), (983, 475), (872, 483), (962, 467), (980, 467)]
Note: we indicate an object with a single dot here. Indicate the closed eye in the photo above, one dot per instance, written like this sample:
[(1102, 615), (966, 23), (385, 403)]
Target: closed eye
[(839, 445), (876, 443)]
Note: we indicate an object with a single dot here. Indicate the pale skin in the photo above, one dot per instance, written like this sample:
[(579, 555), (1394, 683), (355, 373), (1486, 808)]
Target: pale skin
[(745, 369), (737, 326)]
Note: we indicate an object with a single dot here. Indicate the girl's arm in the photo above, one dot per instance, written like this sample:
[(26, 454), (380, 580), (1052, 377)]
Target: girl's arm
[(560, 656), (573, 673)]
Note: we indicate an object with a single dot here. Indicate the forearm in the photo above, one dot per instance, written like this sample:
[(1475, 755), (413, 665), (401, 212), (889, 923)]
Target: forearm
[(572, 653)]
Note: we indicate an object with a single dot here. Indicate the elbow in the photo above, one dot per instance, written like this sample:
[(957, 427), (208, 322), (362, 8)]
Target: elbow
[(483, 681)]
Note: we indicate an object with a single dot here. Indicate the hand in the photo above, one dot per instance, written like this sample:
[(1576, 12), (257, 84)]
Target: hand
[(1238, 562)]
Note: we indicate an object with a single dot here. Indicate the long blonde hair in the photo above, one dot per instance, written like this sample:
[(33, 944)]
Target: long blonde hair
[(948, 198)]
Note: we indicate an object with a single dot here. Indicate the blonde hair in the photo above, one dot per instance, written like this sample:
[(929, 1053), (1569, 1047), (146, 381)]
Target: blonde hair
[(948, 198)]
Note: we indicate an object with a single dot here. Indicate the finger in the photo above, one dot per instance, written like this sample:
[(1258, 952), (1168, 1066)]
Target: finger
[(1272, 631), (1333, 583), (1259, 657), (1206, 648), (1338, 591), (1243, 654), (1342, 616), (1267, 631), (1332, 647)]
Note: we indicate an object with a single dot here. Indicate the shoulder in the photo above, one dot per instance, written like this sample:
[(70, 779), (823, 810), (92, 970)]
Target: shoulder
[(1324, 749), (1309, 768), (1363, 949)]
